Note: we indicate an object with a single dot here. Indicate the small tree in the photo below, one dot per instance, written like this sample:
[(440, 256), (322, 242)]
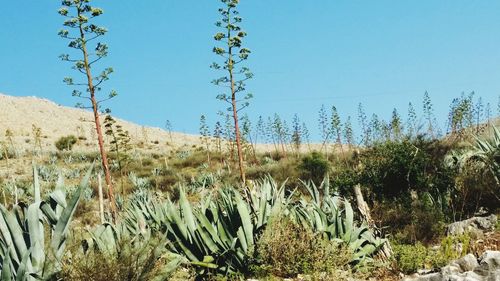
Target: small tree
[(314, 167), (66, 143), (78, 14), (233, 54)]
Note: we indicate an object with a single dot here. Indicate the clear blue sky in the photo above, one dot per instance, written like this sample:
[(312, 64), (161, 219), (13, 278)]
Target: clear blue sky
[(305, 53)]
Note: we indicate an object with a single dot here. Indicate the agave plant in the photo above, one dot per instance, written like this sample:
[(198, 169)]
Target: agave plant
[(23, 252), (220, 232), (139, 182), (484, 154), (144, 209), (334, 218), (217, 234)]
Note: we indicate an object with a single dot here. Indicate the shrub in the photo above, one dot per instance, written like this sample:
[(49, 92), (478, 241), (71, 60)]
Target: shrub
[(7, 151), (410, 258), (394, 169), (190, 159), (343, 179), (314, 167), (66, 143), (455, 247), (128, 263), (472, 192), (303, 252), (284, 170), (479, 168), (410, 220)]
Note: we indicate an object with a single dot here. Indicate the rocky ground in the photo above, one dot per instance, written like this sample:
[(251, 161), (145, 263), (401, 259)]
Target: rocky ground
[(481, 265), (468, 268)]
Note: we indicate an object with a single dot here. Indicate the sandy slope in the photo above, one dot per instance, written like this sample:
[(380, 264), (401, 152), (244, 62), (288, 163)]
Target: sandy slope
[(19, 114)]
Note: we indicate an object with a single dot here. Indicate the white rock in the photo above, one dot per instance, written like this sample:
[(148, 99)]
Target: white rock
[(475, 224), (451, 269), (467, 263), (489, 262)]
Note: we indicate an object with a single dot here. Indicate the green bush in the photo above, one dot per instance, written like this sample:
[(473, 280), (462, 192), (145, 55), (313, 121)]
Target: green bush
[(410, 258), (478, 168), (287, 249), (410, 220), (455, 247), (66, 143), (394, 169), (343, 179), (473, 190), (314, 167)]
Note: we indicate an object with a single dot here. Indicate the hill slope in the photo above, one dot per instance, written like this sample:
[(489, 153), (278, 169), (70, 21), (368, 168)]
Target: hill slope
[(20, 114)]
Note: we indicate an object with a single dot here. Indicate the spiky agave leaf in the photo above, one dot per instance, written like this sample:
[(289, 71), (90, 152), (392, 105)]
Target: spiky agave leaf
[(22, 235), (325, 216)]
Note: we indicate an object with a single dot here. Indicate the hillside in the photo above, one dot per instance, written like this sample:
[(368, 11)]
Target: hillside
[(20, 114)]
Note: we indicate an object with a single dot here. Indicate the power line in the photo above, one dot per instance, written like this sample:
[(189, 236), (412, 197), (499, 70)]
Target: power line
[(326, 97)]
